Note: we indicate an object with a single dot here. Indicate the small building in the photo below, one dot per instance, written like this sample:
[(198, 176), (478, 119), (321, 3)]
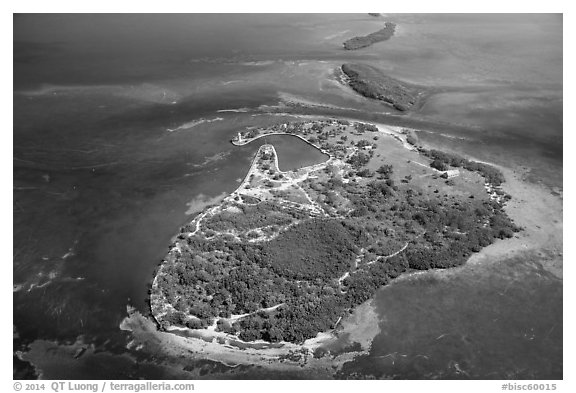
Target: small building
[(450, 173)]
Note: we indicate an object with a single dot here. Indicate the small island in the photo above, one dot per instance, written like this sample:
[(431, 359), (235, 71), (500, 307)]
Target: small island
[(372, 83), (289, 254), (381, 35)]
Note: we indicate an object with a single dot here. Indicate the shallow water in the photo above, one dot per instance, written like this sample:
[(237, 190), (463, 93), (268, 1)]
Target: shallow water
[(483, 322), (101, 185)]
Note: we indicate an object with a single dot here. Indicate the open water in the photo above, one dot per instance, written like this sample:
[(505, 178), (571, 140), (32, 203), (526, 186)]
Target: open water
[(121, 133)]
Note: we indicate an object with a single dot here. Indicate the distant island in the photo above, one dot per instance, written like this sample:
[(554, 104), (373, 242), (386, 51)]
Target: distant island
[(372, 83), (381, 35), (289, 254)]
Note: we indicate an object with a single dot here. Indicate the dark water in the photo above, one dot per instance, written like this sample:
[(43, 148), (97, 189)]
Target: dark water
[(293, 152), (101, 185)]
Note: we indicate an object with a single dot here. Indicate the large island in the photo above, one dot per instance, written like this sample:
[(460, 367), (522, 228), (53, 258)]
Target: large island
[(289, 254)]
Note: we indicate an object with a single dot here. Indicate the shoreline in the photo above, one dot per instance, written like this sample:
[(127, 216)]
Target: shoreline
[(250, 140), (361, 326), (539, 212)]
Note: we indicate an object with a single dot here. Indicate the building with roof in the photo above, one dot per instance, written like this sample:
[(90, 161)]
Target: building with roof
[(450, 173)]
